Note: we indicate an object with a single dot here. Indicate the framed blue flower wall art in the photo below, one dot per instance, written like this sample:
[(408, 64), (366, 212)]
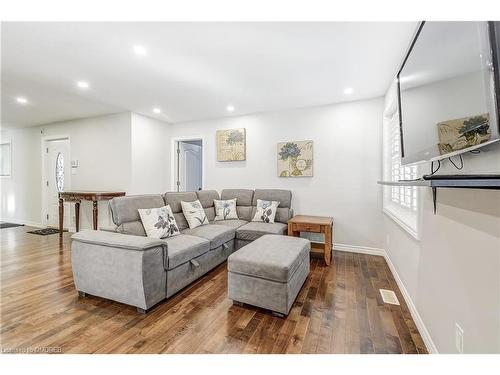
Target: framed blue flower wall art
[(295, 159)]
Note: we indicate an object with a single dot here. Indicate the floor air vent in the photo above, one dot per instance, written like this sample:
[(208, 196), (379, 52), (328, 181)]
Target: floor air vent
[(388, 296)]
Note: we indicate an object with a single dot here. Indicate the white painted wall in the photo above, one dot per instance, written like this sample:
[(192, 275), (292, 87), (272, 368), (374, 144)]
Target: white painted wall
[(120, 152), (100, 144), (150, 156), (452, 274), (347, 162), (20, 198)]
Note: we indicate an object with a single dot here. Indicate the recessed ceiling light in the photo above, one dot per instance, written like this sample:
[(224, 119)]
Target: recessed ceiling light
[(156, 110), (348, 90), (140, 50), (82, 84), (230, 108), (22, 100)]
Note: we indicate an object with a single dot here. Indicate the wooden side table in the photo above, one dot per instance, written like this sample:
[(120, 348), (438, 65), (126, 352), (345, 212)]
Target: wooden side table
[(314, 224), (77, 197)]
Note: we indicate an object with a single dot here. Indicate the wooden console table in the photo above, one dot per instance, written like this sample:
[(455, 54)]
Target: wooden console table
[(77, 197), (314, 224)]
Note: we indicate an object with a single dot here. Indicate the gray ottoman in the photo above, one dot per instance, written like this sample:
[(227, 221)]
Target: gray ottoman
[(269, 272)]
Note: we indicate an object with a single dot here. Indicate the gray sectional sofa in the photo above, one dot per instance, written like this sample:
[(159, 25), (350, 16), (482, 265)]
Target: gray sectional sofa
[(126, 266)]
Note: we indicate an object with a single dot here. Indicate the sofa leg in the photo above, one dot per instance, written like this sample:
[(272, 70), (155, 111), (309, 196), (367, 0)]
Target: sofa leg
[(237, 303), (141, 311), (81, 294), (277, 314)]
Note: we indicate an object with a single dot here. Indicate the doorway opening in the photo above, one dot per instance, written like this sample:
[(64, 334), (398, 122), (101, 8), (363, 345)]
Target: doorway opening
[(189, 164), (56, 177)]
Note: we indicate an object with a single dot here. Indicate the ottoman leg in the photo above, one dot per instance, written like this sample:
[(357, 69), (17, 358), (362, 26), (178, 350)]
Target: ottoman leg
[(237, 303), (141, 311), (81, 294)]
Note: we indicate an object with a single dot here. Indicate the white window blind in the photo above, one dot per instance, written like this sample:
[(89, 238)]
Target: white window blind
[(406, 196), (400, 203)]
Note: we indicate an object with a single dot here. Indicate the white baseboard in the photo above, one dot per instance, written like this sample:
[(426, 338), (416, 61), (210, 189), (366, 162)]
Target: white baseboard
[(411, 306), (33, 224), (359, 249), (25, 222), (413, 310)]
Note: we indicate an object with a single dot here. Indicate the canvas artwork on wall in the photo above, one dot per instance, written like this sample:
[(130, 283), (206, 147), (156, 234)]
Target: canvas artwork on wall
[(465, 132), (295, 159), (231, 144)]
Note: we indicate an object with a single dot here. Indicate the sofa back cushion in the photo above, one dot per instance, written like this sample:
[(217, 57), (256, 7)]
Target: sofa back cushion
[(174, 200), (283, 212), (134, 228), (206, 197), (243, 201), (125, 214)]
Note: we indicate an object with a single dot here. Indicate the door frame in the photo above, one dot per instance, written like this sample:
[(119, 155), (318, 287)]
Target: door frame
[(44, 200), (173, 159)]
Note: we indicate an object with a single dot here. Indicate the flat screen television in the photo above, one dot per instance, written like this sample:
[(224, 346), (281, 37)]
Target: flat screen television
[(448, 90)]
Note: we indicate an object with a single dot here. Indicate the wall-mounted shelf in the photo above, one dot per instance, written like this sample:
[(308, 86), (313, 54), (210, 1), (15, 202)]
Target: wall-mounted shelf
[(454, 182), (405, 183)]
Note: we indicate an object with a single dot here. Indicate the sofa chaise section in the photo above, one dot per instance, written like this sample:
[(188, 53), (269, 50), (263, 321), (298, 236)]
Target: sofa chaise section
[(128, 269), (254, 230)]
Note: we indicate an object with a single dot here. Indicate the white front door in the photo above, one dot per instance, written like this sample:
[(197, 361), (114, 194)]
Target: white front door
[(190, 167), (56, 178)]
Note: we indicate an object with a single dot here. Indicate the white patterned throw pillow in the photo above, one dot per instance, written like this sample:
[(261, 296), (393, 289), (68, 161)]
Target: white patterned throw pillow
[(225, 210), (159, 222), (194, 213), (266, 211)]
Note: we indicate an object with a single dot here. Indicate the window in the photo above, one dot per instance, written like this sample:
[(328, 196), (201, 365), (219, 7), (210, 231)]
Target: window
[(60, 172), (400, 202), (405, 196), (5, 159)]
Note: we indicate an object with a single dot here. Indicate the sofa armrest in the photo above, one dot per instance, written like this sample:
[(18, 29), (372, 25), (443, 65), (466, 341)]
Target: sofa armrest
[(117, 240), (108, 229), (124, 268)]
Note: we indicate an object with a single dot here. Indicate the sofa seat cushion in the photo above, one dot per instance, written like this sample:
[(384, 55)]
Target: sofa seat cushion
[(183, 248), (215, 233), (270, 257), (254, 230), (233, 223)]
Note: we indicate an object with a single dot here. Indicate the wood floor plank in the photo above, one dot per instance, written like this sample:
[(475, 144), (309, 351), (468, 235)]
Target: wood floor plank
[(338, 310)]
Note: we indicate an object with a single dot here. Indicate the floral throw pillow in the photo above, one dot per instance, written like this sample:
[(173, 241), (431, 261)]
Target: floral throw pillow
[(194, 213), (266, 211), (225, 210), (159, 222)]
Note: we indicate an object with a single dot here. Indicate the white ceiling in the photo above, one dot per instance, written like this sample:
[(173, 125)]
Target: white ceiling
[(192, 71)]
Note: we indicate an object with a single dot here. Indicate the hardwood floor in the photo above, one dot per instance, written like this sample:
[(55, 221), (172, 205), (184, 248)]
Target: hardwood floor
[(339, 310)]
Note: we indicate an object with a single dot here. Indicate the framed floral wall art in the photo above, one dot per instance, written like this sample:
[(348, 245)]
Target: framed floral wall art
[(231, 145), (295, 159)]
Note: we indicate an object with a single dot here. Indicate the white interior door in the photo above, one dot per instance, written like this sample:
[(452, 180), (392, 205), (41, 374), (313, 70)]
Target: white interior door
[(189, 166), (56, 177)]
